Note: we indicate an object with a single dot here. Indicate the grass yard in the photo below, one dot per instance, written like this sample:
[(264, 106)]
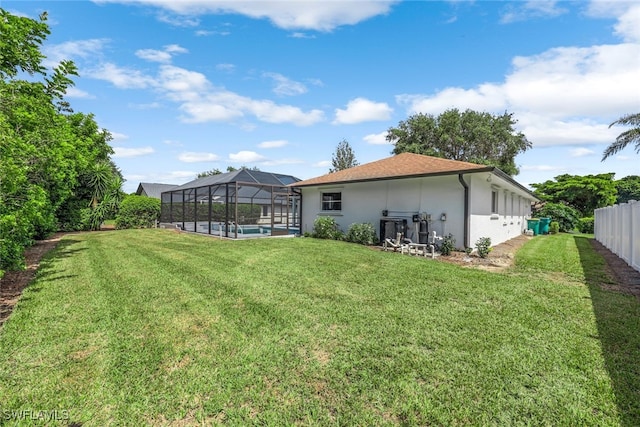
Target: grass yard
[(154, 327)]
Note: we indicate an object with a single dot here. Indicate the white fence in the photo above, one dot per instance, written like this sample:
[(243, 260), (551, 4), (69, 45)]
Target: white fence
[(618, 228)]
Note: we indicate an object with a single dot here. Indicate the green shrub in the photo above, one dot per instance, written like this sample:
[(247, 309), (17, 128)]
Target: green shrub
[(566, 216), (585, 225), (554, 227), (363, 234), (325, 227), (448, 244), (483, 245), (138, 212)]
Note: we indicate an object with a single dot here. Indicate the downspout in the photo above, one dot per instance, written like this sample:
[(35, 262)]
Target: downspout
[(466, 211)]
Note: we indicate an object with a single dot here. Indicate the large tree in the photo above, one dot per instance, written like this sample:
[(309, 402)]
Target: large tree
[(628, 188), (343, 158), (583, 193), (45, 148), (631, 136), (470, 136)]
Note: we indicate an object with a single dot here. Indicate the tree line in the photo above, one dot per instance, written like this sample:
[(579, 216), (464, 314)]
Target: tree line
[(56, 171)]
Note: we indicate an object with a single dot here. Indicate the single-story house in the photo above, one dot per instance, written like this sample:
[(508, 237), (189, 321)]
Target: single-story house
[(151, 189), (417, 195)]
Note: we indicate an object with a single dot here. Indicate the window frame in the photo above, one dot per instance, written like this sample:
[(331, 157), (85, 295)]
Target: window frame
[(329, 202), (495, 197)]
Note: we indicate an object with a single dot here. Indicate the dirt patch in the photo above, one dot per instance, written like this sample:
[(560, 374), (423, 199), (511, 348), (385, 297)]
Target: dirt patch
[(500, 257), (626, 278), (13, 282)]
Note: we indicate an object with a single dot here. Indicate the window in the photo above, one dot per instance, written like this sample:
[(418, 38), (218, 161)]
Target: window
[(512, 205), (494, 202), (265, 210), (505, 204), (331, 201)]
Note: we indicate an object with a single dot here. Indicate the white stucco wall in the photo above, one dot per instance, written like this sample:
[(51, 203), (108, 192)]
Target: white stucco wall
[(511, 218), (365, 201), (402, 198)]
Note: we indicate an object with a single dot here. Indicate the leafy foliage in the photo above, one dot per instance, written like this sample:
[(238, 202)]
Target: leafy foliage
[(325, 227), (565, 216), (554, 227), (483, 246), (46, 150), (583, 193), (138, 212), (448, 245), (362, 233), (631, 136), (468, 136), (585, 225), (628, 188), (343, 158), (211, 172)]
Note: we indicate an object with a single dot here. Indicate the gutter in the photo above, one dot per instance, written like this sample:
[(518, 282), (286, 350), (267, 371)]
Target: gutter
[(466, 210)]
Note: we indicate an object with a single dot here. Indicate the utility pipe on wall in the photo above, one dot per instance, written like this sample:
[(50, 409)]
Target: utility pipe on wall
[(466, 210)]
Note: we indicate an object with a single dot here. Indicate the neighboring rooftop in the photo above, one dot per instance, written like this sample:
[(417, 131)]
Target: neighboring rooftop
[(151, 189), (402, 165)]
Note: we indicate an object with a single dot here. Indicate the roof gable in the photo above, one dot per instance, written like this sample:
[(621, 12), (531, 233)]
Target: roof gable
[(152, 189), (402, 165)]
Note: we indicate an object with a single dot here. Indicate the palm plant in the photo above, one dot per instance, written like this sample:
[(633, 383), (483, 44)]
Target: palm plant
[(627, 137)]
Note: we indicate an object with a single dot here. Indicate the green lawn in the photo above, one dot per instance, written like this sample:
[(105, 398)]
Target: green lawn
[(155, 327)]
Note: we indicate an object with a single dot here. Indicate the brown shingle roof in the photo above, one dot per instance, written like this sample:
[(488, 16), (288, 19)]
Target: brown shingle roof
[(403, 165)]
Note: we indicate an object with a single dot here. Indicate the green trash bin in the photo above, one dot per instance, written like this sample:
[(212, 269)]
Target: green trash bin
[(543, 227), (533, 225)]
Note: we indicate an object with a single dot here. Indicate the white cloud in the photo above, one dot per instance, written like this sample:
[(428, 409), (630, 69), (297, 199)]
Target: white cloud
[(122, 78), (175, 48), (322, 164), (154, 55), (299, 35), (124, 152), (115, 136), (73, 50), (285, 86), (565, 95), (229, 68), (319, 16), (73, 92), (362, 110), (377, 139), (628, 26), (182, 84), (581, 152), (520, 11), (200, 101), (193, 157), (545, 131), (246, 157), (273, 144), (176, 21), (162, 56)]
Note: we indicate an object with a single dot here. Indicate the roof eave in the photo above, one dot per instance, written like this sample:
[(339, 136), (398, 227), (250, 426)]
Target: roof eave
[(387, 178)]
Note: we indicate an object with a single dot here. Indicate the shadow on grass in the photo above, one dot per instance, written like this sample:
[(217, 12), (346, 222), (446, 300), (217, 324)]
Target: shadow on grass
[(618, 321), (62, 250)]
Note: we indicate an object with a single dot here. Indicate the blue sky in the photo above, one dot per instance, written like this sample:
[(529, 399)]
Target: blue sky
[(188, 86)]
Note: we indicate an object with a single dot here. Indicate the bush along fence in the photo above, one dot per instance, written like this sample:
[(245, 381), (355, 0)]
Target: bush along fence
[(618, 228)]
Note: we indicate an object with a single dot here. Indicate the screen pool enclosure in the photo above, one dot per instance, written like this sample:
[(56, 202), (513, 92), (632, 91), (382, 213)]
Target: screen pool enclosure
[(240, 204)]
